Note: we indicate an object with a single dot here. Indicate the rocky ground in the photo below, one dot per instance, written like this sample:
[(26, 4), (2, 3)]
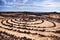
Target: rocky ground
[(30, 27)]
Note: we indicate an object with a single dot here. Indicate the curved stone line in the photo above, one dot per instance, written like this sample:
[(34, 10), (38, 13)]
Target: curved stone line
[(19, 23), (9, 28), (28, 26), (24, 19), (57, 31), (12, 36), (16, 22), (4, 23), (29, 29), (29, 33), (9, 22), (26, 22), (54, 25), (34, 26), (18, 27), (10, 25), (23, 28), (24, 32), (51, 22)]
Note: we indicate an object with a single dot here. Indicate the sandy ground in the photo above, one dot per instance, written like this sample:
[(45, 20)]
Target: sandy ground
[(30, 27)]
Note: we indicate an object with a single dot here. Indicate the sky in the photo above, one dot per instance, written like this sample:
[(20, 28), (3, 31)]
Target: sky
[(30, 5)]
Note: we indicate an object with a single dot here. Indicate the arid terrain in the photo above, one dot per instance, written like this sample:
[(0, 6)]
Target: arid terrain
[(29, 26)]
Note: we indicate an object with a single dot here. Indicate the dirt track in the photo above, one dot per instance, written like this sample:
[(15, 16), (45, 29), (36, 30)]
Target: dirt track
[(30, 27)]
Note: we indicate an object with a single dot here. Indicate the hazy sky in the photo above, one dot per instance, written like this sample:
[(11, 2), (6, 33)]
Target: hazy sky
[(30, 5)]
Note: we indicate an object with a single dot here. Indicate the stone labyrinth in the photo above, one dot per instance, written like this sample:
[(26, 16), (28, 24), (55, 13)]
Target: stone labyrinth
[(29, 29)]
